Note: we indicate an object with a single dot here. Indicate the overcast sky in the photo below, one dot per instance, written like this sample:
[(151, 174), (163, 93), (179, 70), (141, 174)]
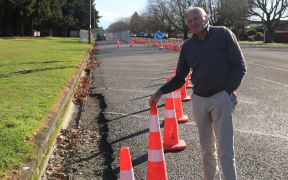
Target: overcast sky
[(111, 10)]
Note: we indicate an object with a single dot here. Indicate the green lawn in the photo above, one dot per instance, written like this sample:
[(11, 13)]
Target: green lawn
[(32, 74)]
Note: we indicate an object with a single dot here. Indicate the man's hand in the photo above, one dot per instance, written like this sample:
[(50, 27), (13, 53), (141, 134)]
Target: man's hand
[(155, 97)]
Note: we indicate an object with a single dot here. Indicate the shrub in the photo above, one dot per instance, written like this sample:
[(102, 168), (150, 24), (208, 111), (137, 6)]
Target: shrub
[(258, 36), (251, 32)]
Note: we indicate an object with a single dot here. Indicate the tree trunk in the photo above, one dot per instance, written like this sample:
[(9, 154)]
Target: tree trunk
[(68, 31), (185, 34), (270, 34), (19, 21), (28, 31), (43, 29), (8, 23)]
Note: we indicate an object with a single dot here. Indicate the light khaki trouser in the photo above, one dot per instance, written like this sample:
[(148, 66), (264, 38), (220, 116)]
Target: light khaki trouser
[(213, 116)]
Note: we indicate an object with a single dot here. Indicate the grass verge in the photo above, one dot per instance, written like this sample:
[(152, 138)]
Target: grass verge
[(273, 44), (32, 74)]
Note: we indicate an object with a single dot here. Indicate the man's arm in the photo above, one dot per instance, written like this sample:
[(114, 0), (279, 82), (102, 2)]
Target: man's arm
[(176, 82), (236, 62)]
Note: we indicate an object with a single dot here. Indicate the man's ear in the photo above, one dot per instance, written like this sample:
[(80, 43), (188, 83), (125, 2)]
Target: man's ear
[(206, 20)]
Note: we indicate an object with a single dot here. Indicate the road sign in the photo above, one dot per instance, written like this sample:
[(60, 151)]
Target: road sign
[(159, 36)]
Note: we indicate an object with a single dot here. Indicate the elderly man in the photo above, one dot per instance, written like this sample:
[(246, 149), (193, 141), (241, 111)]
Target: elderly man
[(218, 67)]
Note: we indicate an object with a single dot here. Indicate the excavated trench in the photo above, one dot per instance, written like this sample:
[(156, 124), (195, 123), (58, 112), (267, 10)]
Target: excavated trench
[(82, 151)]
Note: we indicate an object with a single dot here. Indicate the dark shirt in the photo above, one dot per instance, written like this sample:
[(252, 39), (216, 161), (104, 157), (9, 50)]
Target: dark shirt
[(217, 63)]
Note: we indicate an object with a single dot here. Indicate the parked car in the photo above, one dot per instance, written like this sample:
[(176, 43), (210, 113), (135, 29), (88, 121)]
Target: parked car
[(140, 35), (149, 35), (100, 37)]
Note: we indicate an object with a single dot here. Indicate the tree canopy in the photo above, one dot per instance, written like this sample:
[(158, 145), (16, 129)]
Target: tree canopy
[(51, 17)]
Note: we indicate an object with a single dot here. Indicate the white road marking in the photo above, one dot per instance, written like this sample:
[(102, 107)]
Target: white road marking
[(133, 77), (135, 64), (194, 124), (263, 79), (248, 102), (128, 90), (270, 67)]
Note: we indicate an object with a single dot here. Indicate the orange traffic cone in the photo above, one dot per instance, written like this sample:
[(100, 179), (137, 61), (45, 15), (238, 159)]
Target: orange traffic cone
[(178, 107), (171, 45), (171, 139), (166, 45), (156, 168), (174, 70), (188, 86), (178, 47), (149, 42), (174, 46), (126, 169), (184, 96), (161, 45), (131, 43), (118, 44)]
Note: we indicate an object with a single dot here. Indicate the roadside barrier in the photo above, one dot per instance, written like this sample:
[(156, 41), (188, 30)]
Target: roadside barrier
[(156, 168), (126, 169), (171, 139)]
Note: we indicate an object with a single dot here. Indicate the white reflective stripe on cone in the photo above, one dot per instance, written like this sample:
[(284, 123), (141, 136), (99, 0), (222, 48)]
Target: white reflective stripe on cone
[(169, 95), (176, 94), (154, 123), (170, 114), (127, 174), (155, 155)]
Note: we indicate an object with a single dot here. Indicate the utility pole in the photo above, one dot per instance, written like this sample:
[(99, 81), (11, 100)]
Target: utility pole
[(89, 41)]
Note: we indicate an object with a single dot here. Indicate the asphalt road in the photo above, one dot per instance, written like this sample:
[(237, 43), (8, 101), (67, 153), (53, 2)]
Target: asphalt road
[(128, 76)]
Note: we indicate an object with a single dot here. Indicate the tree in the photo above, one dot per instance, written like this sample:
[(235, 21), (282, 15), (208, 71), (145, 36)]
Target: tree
[(122, 24), (49, 16), (14, 15), (270, 12)]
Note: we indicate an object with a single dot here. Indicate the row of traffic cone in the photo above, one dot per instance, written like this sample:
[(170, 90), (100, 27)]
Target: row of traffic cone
[(155, 44), (156, 168)]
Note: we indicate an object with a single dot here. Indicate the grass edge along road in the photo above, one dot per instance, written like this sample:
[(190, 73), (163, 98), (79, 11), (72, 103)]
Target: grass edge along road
[(33, 72)]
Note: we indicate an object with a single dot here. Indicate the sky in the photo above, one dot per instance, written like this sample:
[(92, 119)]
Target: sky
[(111, 10)]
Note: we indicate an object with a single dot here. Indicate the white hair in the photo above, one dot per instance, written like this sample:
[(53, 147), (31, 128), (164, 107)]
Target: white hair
[(193, 8)]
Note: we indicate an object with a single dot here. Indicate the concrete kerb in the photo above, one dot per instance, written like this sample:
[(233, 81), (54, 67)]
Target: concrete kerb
[(35, 168)]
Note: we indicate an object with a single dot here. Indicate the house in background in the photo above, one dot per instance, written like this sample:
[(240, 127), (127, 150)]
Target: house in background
[(281, 32)]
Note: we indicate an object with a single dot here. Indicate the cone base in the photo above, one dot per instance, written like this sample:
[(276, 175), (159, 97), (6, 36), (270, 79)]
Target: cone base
[(179, 146), (183, 119), (187, 98), (189, 86)]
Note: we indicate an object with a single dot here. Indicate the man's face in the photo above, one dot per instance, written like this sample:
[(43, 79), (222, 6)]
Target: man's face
[(196, 22)]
